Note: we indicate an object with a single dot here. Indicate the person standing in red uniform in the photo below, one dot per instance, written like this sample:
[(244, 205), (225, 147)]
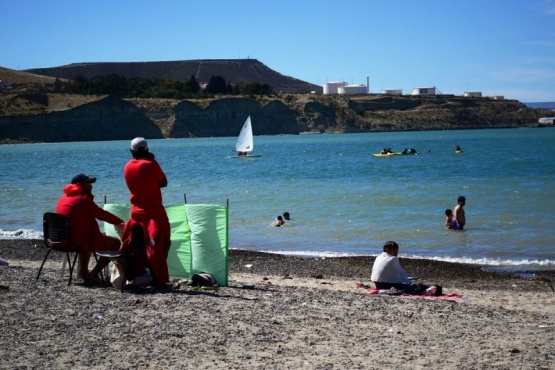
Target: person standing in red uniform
[(78, 205), (144, 178)]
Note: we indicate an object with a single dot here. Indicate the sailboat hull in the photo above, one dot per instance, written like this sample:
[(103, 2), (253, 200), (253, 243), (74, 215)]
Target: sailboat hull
[(246, 156)]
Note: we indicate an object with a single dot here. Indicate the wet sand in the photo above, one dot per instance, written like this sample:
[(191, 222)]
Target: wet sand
[(302, 313)]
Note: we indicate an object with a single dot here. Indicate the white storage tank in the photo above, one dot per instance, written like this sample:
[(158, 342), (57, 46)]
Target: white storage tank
[(392, 91), (424, 91), (352, 90), (331, 87)]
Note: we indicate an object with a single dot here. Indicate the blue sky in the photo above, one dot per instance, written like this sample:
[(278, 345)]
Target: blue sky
[(498, 47)]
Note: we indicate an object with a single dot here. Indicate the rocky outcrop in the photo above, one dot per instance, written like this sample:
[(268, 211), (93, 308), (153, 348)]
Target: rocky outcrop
[(111, 118), (413, 113), (225, 117)]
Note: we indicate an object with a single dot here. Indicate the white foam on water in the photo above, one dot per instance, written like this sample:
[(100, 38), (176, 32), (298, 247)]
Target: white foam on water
[(473, 261), (20, 234)]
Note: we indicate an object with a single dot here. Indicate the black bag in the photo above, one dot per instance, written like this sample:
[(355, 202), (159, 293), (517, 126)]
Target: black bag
[(204, 279)]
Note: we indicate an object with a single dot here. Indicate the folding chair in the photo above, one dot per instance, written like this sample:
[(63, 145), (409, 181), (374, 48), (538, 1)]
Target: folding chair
[(128, 258), (56, 237)]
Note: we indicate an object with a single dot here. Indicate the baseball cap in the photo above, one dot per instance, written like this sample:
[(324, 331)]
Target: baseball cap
[(78, 179), (138, 143)]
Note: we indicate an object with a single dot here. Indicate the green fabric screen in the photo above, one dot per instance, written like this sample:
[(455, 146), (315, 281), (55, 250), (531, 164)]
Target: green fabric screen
[(199, 235)]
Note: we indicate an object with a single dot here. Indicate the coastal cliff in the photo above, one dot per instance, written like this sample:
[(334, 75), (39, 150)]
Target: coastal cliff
[(106, 118), (61, 117)]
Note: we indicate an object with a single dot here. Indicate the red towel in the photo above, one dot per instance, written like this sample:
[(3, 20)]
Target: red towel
[(448, 297)]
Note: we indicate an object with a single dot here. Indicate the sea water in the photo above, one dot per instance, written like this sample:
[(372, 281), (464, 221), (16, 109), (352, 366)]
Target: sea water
[(343, 200)]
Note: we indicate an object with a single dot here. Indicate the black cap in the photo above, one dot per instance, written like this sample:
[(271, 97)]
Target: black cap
[(81, 178)]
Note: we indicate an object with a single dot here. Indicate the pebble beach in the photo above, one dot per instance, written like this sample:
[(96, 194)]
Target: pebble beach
[(278, 312)]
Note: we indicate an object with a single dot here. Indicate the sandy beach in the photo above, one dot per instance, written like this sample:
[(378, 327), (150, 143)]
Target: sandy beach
[(302, 313)]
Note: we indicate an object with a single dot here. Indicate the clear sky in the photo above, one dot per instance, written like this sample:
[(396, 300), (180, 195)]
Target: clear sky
[(498, 47)]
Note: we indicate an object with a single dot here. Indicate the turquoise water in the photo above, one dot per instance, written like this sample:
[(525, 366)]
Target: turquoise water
[(342, 199)]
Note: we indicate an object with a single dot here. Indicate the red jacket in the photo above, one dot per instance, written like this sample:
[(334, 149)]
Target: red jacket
[(83, 212)]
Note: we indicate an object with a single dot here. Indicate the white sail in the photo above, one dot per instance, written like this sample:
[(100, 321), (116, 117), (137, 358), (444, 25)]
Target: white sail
[(245, 141)]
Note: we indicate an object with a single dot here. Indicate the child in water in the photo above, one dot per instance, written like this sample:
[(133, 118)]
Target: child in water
[(279, 221), (449, 222)]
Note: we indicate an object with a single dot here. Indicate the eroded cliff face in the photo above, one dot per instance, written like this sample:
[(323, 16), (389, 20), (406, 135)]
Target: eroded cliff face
[(56, 119), (109, 118), (225, 117)]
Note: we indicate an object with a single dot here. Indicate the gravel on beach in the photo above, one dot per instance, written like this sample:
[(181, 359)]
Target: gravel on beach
[(297, 313)]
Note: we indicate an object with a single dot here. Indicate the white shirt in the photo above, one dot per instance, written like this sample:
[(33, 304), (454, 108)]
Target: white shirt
[(387, 269)]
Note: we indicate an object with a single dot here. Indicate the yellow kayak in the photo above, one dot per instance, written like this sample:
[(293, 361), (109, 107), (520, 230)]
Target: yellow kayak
[(383, 155)]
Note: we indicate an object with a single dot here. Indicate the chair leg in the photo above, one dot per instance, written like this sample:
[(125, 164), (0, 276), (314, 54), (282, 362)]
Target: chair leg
[(71, 266), (43, 261), (101, 272)]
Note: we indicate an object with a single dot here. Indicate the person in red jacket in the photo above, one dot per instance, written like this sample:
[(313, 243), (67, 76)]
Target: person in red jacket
[(78, 205), (144, 178)]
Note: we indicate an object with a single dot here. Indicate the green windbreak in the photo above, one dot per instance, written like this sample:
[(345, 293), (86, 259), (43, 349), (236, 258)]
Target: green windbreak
[(199, 235)]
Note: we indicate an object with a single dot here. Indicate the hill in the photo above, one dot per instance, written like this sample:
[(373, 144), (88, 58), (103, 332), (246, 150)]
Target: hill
[(232, 70)]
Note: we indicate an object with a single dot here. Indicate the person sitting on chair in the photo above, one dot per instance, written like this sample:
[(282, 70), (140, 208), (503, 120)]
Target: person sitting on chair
[(78, 205)]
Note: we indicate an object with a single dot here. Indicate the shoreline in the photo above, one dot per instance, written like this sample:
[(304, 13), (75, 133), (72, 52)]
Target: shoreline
[(531, 267), (297, 313), (355, 265)]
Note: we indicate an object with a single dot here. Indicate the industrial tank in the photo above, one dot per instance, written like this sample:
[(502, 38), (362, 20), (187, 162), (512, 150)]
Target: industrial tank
[(331, 87)]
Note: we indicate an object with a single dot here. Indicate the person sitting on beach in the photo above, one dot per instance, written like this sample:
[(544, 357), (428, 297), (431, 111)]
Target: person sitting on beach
[(78, 205), (449, 222), (458, 213), (388, 273), (279, 221), (286, 216)]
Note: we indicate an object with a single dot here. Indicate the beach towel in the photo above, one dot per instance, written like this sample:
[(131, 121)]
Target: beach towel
[(446, 297)]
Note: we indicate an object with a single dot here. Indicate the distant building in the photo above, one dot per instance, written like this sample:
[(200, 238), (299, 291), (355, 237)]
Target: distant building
[(424, 91), (475, 94), (340, 87), (352, 90), (498, 97), (392, 91), (547, 120), (331, 87)]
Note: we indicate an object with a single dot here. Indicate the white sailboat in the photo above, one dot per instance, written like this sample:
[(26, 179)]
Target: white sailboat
[(245, 141)]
